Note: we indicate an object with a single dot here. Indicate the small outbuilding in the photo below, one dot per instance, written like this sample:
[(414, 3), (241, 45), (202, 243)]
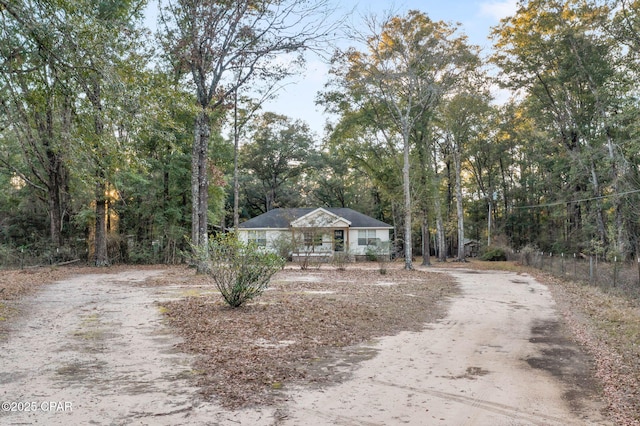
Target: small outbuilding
[(471, 247), (318, 232)]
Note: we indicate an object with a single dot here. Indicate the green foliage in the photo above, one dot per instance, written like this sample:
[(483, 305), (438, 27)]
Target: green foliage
[(494, 254), (240, 271), (379, 253), (371, 253), (276, 160), (552, 162)]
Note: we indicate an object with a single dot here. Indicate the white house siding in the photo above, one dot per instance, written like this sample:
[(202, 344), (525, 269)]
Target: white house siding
[(360, 250), (353, 248), (277, 223), (271, 235)]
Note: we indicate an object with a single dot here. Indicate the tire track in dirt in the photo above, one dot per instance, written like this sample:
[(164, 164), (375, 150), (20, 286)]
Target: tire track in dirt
[(473, 367), (97, 347), (99, 343), (514, 413)]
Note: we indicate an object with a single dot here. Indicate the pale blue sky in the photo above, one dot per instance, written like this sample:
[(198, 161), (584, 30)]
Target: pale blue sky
[(297, 100)]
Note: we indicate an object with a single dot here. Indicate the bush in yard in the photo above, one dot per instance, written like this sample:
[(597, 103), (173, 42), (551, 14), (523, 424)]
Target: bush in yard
[(341, 259), (241, 271), (284, 245), (494, 254), (382, 256), (371, 253)]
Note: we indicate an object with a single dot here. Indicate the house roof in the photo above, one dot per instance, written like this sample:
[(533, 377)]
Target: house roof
[(282, 218)]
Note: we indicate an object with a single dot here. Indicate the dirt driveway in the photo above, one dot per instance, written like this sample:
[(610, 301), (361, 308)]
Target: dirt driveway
[(95, 350)]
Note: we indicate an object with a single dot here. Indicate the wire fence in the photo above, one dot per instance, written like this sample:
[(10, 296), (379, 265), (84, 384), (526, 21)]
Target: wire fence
[(32, 256), (613, 275)]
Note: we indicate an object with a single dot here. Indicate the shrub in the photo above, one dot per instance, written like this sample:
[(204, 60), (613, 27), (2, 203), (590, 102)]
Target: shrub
[(494, 254), (284, 245), (371, 253), (527, 254), (308, 260), (379, 253), (341, 259), (240, 271)]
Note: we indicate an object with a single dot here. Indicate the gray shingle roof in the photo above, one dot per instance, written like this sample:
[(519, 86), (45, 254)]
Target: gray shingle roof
[(281, 218)]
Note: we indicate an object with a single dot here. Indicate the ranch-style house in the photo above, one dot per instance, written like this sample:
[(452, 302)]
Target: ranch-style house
[(319, 232)]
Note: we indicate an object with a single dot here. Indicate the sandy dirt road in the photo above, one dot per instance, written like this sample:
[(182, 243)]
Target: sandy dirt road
[(498, 358), (94, 350)]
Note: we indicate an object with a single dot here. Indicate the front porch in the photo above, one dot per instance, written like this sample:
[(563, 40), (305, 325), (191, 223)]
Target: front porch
[(319, 243)]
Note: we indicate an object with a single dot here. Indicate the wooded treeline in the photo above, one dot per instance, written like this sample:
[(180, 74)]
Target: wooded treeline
[(119, 145)]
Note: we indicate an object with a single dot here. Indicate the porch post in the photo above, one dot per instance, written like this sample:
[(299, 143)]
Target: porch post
[(347, 245)]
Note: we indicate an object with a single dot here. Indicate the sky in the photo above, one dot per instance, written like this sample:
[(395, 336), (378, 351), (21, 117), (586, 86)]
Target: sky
[(297, 99), (476, 17)]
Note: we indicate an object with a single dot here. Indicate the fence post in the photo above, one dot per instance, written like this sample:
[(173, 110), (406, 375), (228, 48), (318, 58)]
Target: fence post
[(575, 265), (562, 263), (615, 270), (590, 268)]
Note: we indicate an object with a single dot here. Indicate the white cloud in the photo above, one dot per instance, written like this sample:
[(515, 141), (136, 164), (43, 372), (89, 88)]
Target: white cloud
[(499, 9)]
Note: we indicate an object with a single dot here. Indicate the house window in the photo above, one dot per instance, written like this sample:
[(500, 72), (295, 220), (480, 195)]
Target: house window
[(312, 239), (367, 237), (259, 238)]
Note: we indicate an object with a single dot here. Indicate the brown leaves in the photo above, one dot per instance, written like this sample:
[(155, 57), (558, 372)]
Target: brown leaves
[(288, 335), (608, 326)]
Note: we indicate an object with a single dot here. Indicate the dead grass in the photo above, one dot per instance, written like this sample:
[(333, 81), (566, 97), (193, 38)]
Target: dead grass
[(303, 330), (608, 326)]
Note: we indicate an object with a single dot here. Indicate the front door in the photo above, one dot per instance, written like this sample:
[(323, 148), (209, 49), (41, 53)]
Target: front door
[(338, 240)]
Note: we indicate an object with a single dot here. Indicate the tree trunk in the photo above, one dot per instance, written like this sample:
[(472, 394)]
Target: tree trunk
[(408, 252), (200, 185), (440, 232), (55, 214), (459, 210), (101, 253), (489, 223), (638, 260), (600, 221), (236, 147), (426, 249), (441, 237), (56, 177)]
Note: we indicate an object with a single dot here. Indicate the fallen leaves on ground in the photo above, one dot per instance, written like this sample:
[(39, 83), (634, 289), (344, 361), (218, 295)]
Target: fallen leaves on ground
[(303, 330), (608, 326)]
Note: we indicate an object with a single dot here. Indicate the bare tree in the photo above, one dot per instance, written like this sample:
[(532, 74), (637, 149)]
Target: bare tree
[(409, 64), (220, 46)]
